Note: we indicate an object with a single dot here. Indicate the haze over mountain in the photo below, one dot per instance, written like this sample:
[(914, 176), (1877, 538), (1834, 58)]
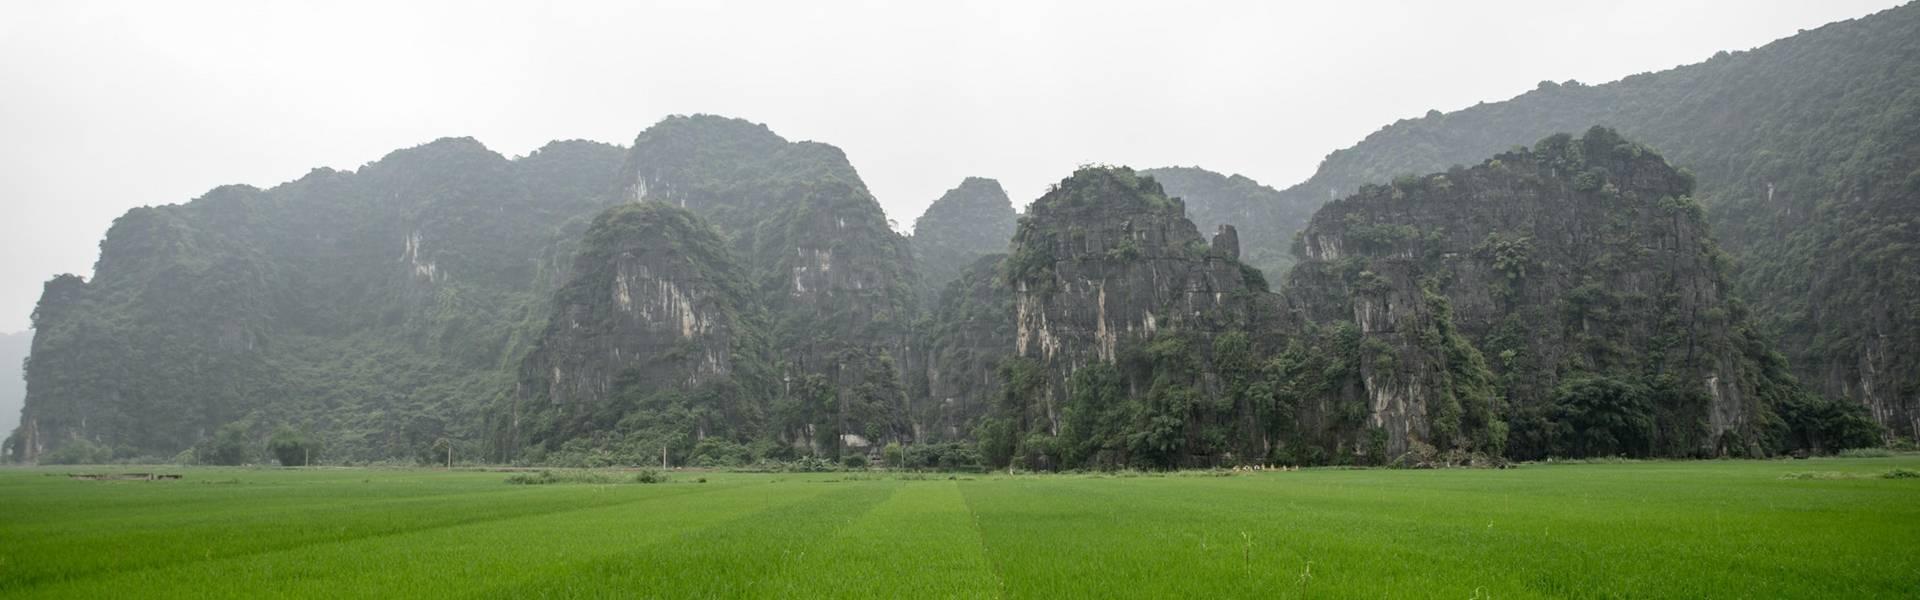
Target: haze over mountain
[(969, 221), (715, 293), (13, 386), (175, 100)]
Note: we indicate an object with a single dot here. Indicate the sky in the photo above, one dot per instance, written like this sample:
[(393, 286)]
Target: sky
[(106, 106)]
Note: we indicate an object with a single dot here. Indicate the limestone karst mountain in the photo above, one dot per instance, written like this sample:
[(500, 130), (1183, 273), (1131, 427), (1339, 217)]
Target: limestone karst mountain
[(379, 305), (1114, 289), (837, 282), (655, 333), (1481, 294), (1802, 149), (719, 294)]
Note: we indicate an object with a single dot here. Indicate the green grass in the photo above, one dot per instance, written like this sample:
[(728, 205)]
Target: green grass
[(1647, 529)]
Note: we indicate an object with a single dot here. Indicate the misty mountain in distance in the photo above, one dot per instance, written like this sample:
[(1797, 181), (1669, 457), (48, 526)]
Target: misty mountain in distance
[(717, 294), (971, 220), (13, 383), (1214, 199)]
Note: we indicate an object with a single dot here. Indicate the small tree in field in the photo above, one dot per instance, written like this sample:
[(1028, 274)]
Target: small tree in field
[(292, 447), (444, 445), (895, 457), (227, 446)]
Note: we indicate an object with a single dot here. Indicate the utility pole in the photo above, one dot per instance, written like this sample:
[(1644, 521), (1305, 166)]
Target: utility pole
[(663, 457)]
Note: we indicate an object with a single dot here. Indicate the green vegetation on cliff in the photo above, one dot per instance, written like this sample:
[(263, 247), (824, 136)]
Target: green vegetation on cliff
[(378, 308), (774, 334), (390, 311), (1578, 282), (656, 343), (1123, 317), (748, 299), (1803, 153)]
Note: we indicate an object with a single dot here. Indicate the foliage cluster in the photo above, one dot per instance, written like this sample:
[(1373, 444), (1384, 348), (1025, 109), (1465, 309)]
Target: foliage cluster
[(550, 476)]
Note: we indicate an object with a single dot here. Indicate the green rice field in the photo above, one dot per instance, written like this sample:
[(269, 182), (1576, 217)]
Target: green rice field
[(1820, 528)]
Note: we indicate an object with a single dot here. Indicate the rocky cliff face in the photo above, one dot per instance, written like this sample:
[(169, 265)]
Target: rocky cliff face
[(837, 282), (373, 305), (968, 222), (745, 297), (1482, 289), (657, 327), (1108, 256), (1808, 190), (1108, 277), (796, 212)]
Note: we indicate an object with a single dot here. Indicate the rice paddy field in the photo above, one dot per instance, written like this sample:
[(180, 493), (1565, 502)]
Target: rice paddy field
[(1825, 528)]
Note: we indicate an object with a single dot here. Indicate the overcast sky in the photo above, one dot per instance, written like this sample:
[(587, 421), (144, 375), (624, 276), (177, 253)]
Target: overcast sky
[(107, 106)]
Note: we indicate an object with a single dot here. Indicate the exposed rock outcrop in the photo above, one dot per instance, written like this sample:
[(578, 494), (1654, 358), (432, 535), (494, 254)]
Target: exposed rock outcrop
[(657, 324), (1809, 191), (836, 281), (1107, 256), (1578, 257), (1108, 274)]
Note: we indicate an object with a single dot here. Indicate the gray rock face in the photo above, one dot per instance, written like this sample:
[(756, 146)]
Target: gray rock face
[(1580, 256), (836, 281), (1227, 241), (1122, 261), (638, 301), (1105, 262), (1808, 190), (796, 213), (655, 304)]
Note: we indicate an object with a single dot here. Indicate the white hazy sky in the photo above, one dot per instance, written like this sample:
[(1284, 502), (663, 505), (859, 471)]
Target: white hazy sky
[(106, 106)]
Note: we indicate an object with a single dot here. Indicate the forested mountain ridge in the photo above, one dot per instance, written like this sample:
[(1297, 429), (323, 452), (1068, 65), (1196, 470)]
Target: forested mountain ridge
[(796, 212), (716, 294), (656, 333), (374, 305), (774, 264), (1124, 322), (1803, 153), (390, 310), (1561, 300), (839, 285)]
